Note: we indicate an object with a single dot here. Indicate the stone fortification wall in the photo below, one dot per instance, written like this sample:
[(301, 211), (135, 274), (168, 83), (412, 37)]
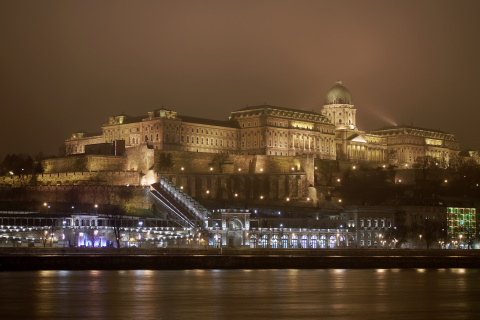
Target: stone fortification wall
[(129, 197), (236, 177), (140, 159), (201, 163), (74, 178), (243, 186), (85, 163)]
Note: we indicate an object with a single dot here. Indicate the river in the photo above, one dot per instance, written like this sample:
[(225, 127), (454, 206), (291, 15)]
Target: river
[(242, 294)]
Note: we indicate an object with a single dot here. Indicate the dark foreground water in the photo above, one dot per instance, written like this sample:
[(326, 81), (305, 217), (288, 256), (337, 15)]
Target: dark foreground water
[(242, 294)]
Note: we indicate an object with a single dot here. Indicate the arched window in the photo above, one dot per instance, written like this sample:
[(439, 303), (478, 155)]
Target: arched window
[(275, 241), (264, 241), (323, 242), (304, 242), (313, 242), (294, 242), (284, 241), (332, 241)]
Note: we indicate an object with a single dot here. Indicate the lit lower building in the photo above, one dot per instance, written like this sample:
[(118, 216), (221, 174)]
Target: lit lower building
[(462, 227)]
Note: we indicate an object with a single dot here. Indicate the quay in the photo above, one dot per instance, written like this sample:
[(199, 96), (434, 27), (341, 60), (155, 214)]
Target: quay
[(23, 259)]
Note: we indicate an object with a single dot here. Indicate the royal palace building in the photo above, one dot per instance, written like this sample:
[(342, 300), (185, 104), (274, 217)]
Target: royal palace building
[(330, 133)]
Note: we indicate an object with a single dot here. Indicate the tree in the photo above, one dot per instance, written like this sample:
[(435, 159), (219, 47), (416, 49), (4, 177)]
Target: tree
[(432, 231), (165, 162), (114, 215), (429, 165), (42, 234), (396, 235), (326, 170)]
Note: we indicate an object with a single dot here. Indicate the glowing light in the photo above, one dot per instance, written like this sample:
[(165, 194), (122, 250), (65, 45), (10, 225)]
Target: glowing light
[(315, 168), (96, 205), (261, 169), (181, 187), (354, 167), (308, 199), (446, 181), (399, 180), (338, 179), (211, 169), (340, 200), (182, 168), (208, 191), (293, 168), (44, 204), (261, 197), (384, 166), (236, 194), (288, 199), (239, 169)]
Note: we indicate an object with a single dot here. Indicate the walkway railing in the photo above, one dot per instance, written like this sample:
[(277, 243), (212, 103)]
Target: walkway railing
[(181, 204)]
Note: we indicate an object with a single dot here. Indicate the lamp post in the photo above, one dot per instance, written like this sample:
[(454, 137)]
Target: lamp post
[(420, 239)]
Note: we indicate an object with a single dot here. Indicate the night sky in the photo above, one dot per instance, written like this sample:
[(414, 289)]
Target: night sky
[(67, 66)]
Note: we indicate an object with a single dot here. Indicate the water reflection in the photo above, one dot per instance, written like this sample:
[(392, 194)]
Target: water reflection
[(242, 294)]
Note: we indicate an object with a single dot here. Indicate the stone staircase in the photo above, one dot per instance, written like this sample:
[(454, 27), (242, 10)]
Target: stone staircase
[(188, 211)]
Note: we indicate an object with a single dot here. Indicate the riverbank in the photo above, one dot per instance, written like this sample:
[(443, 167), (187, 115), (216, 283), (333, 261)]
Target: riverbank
[(186, 258)]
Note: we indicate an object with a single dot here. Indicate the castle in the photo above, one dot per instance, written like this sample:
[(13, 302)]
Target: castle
[(261, 157), (267, 130)]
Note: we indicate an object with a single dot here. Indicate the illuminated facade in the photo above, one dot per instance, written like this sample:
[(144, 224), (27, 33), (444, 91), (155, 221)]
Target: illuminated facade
[(462, 226), (276, 131), (406, 143)]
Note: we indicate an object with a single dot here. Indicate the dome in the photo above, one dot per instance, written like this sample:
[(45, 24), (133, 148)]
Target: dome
[(338, 94)]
